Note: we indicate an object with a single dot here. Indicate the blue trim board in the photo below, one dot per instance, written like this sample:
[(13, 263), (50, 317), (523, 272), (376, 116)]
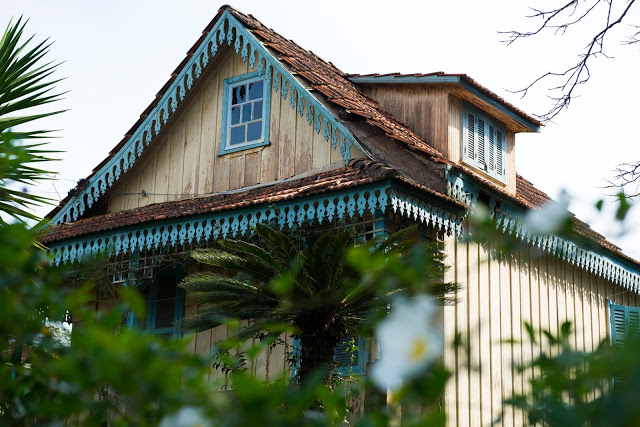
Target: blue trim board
[(509, 219), (226, 30), (372, 198), (439, 79)]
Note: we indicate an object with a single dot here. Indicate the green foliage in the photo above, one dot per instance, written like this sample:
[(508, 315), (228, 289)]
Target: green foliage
[(325, 291), (580, 388), (24, 84)]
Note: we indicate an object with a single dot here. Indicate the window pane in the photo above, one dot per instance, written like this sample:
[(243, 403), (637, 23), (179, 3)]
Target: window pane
[(246, 113), (257, 110), (256, 90), (254, 131), (234, 95), (242, 93), (237, 135), (235, 115)]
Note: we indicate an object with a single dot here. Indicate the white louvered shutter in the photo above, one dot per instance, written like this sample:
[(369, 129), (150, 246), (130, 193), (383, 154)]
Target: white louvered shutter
[(480, 142), (491, 164), (500, 153), (471, 132)]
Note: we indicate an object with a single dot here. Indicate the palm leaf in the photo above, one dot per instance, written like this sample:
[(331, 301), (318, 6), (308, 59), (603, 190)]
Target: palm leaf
[(25, 82)]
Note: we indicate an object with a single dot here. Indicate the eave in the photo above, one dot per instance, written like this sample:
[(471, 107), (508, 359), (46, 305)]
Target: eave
[(481, 93)]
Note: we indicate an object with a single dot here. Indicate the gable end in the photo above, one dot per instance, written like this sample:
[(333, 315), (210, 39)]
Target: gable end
[(226, 29)]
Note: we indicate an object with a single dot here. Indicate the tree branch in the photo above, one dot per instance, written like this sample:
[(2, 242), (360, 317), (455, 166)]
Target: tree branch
[(578, 74)]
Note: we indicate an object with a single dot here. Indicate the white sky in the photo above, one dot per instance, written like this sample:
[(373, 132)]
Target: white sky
[(118, 54)]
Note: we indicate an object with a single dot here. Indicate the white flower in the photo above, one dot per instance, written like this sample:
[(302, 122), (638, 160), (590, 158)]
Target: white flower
[(550, 218), (408, 342), (186, 417)]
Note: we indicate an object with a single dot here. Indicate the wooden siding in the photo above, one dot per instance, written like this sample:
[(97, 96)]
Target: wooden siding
[(423, 108), (496, 297), (269, 365), (183, 161), (435, 113)]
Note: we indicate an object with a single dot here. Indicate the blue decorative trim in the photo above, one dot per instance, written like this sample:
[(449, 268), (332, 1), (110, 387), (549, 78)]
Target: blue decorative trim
[(429, 213), (435, 79), (373, 198), (225, 111), (509, 219), (228, 29)]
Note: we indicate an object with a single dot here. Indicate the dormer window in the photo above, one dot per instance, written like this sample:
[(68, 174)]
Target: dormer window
[(245, 116), (484, 143)]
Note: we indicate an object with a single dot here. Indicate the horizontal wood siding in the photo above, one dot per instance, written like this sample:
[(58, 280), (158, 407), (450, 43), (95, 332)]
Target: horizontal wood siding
[(495, 298), (183, 160)]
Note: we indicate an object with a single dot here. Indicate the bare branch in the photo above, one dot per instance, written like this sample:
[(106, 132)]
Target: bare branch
[(558, 20), (627, 179)]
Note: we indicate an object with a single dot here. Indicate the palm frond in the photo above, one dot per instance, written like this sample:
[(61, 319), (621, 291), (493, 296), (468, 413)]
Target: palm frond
[(25, 82), (278, 243), (255, 251), (208, 281), (255, 269)]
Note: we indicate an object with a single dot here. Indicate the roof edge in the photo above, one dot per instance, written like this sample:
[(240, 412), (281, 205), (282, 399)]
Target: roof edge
[(467, 84)]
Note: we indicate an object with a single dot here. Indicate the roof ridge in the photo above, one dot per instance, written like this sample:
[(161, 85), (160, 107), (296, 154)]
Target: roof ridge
[(334, 84)]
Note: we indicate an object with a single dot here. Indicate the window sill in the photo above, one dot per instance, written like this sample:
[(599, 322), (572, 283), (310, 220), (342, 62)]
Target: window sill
[(243, 148), (483, 174)]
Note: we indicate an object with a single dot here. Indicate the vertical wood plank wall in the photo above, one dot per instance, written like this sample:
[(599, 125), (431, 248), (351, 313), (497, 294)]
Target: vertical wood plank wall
[(183, 161), (423, 109), (269, 365), (495, 298)]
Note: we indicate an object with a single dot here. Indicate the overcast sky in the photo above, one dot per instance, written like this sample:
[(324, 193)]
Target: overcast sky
[(118, 54)]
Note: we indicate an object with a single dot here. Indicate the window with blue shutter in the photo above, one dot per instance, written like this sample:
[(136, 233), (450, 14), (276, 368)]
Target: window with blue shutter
[(245, 113), (484, 143), (349, 358), (623, 321), (350, 355), (165, 305)]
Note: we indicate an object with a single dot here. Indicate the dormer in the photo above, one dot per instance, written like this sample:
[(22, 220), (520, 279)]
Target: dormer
[(466, 122)]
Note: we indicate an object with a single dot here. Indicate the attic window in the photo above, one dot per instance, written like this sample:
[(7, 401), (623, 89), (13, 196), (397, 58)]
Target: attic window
[(245, 115), (484, 143)]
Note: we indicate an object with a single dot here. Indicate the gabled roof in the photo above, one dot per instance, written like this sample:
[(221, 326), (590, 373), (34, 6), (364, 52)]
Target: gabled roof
[(326, 85), (335, 85), (466, 82), (322, 76)]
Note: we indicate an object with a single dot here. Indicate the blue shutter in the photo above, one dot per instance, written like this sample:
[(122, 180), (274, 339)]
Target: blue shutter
[(623, 321), (342, 355), (165, 305)]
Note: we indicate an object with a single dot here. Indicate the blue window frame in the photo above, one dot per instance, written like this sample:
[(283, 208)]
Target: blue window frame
[(484, 143), (246, 101), (165, 305)]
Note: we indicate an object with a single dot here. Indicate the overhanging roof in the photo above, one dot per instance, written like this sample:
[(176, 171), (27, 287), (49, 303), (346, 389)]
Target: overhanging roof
[(463, 80)]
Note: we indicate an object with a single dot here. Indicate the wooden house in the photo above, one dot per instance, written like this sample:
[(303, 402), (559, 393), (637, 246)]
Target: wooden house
[(252, 128)]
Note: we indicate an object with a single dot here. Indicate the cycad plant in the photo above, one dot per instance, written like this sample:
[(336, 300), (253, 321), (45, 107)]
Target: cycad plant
[(24, 83), (280, 280)]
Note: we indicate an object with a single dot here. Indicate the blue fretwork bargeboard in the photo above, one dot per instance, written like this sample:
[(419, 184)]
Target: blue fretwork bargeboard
[(226, 30)]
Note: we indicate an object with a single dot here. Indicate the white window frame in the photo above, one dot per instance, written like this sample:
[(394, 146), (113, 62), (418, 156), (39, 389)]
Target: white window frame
[(484, 143)]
